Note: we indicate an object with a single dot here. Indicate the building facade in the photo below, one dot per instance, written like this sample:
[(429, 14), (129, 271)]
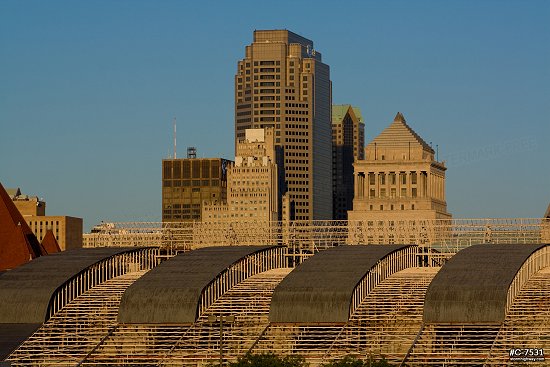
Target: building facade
[(27, 205), (283, 84), (399, 178), (66, 230), (187, 183), (348, 146), (252, 182)]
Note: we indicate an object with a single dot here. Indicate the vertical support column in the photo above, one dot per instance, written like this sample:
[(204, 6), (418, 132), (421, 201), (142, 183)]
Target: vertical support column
[(443, 188), (356, 184), (429, 183), (376, 184), (362, 184), (409, 184)]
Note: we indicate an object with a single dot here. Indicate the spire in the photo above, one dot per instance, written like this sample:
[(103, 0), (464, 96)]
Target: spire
[(400, 118)]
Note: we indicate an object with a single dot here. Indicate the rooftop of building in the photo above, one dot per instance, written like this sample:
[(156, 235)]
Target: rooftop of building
[(399, 134), (339, 111)]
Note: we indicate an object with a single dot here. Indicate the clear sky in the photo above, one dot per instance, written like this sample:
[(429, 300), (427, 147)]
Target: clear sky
[(88, 91)]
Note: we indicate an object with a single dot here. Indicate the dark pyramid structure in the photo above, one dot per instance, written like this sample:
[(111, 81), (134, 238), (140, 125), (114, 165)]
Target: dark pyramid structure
[(49, 242), (18, 244)]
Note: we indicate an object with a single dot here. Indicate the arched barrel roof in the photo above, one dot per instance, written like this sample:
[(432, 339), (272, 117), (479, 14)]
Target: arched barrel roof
[(25, 291), (171, 292), (472, 287), (321, 288)]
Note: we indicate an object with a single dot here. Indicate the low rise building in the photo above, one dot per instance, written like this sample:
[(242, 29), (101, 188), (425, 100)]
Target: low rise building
[(67, 230)]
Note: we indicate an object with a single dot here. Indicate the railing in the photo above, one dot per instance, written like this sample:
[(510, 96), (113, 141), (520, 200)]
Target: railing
[(537, 261), (394, 262), (116, 265), (441, 235), (250, 265)]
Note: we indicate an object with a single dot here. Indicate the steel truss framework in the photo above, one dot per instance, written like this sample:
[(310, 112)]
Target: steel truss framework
[(197, 344), (109, 268), (385, 323), (527, 325), (305, 237), (72, 333)]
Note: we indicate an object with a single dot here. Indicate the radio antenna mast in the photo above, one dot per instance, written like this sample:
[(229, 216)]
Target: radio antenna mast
[(175, 140)]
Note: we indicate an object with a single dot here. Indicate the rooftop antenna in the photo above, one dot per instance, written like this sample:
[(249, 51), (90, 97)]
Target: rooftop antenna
[(175, 140)]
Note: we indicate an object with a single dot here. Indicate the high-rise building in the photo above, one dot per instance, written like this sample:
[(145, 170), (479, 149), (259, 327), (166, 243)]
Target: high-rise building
[(348, 146), (400, 178), (252, 183), (187, 183), (283, 84)]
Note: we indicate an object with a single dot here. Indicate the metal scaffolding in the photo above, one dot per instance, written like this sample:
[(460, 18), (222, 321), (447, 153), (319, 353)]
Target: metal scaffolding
[(306, 237)]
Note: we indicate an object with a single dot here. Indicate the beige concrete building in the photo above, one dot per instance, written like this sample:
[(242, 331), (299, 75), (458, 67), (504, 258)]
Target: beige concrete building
[(27, 205), (252, 182), (67, 230), (348, 146), (399, 178), (283, 84), (187, 183)]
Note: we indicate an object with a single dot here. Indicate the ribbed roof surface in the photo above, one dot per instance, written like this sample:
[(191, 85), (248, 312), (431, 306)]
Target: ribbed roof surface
[(399, 134), (25, 292), (170, 293), (472, 286), (320, 289), (12, 335)]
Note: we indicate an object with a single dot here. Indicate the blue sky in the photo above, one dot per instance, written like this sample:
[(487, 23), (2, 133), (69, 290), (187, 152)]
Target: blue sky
[(88, 91)]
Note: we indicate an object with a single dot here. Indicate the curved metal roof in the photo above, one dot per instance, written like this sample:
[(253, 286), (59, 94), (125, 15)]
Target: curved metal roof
[(472, 286), (171, 292), (25, 291), (321, 288)]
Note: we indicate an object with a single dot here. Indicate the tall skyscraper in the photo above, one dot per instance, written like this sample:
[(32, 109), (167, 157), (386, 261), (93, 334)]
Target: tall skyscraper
[(283, 84), (348, 146)]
